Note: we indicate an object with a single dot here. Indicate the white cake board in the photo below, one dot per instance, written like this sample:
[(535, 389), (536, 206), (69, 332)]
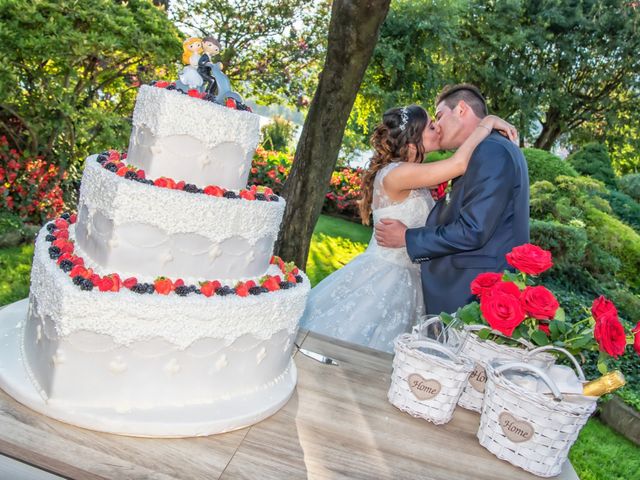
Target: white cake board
[(169, 422)]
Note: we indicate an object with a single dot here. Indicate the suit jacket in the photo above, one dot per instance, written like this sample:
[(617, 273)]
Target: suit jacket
[(485, 216)]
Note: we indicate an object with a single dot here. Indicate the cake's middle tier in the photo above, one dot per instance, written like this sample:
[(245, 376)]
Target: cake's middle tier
[(141, 229)]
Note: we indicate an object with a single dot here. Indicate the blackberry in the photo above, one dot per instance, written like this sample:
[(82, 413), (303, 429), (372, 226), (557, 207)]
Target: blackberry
[(224, 290), (171, 87), (261, 196), (111, 167), (54, 252), (274, 198), (182, 290), (66, 266), (255, 290), (150, 287), (139, 288), (130, 175), (191, 188), (102, 159), (86, 285), (77, 280), (50, 238), (264, 290), (209, 97), (286, 285), (229, 194), (50, 227), (193, 288), (197, 291), (298, 278), (66, 216), (153, 82)]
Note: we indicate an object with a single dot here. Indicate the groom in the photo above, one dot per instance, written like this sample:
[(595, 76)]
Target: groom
[(483, 217)]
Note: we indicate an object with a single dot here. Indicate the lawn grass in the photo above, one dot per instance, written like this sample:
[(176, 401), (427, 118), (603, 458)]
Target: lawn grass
[(599, 453)]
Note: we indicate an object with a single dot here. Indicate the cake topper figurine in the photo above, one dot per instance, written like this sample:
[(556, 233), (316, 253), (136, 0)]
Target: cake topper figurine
[(202, 75), (190, 77)]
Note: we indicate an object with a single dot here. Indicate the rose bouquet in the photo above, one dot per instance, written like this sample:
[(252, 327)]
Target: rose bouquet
[(511, 303)]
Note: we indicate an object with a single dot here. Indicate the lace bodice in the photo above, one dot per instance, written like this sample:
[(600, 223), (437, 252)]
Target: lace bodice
[(412, 211)]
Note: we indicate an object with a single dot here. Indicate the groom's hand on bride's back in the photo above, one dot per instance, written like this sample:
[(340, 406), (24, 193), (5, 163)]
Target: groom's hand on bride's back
[(390, 233)]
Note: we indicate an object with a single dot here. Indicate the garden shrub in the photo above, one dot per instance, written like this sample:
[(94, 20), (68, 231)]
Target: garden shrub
[(277, 135), (29, 186), (567, 243), (593, 160), (546, 166), (630, 184), (625, 208)]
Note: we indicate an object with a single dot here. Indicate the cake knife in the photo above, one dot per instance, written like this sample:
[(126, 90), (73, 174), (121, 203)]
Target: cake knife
[(317, 356)]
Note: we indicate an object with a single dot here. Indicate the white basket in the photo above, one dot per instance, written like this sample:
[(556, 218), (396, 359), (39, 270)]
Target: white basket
[(482, 352), (427, 378), (531, 430)]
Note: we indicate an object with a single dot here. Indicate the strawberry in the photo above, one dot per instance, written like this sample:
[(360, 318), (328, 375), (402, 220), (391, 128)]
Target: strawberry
[(121, 171), (291, 278), (242, 290), (64, 256), (161, 84), (180, 185), (267, 191), (95, 279), (140, 174), (76, 260), (271, 284), (114, 155), (117, 282), (61, 223), (123, 155), (209, 288), (196, 94), (162, 182), (163, 285), (274, 259), (254, 189), (105, 284), (74, 218), (64, 234), (79, 270), (214, 191), (250, 284), (247, 195), (178, 283), (130, 282)]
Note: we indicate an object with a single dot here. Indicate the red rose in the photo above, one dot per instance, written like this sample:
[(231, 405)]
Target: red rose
[(545, 328), (483, 283), (636, 338), (603, 307), (540, 303), (609, 333), (502, 311), (507, 288), (530, 259)]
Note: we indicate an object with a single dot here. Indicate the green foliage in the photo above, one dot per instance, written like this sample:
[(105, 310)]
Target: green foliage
[(278, 134), (630, 397), (630, 184), (15, 265), (10, 222), (567, 243), (593, 160), (546, 166), (625, 208), (600, 453), (68, 72), (272, 50)]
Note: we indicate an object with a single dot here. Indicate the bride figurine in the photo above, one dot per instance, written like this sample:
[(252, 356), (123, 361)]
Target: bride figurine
[(378, 295), (189, 77)]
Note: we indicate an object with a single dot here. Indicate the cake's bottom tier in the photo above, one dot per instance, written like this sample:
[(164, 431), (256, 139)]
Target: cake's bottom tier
[(122, 350)]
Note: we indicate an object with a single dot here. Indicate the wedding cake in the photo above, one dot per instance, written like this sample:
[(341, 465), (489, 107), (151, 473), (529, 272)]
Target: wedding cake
[(159, 309)]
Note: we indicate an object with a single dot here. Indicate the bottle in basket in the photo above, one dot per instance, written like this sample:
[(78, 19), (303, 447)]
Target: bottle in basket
[(605, 384)]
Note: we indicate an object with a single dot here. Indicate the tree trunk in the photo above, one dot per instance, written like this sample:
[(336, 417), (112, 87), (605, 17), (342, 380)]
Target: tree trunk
[(353, 33), (551, 130)]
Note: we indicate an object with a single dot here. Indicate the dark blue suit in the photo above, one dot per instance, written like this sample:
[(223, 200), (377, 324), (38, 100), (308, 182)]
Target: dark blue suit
[(486, 215)]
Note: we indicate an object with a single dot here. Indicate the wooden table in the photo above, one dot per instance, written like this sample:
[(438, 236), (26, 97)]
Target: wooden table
[(338, 424)]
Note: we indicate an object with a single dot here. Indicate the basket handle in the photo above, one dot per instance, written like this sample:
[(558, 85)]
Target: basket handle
[(521, 341), (413, 343), (532, 369), (548, 348)]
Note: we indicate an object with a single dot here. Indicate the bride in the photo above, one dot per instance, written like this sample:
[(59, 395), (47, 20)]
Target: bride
[(378, 295)]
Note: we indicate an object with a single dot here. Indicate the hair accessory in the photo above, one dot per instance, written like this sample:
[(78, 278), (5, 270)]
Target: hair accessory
[(404, 117)]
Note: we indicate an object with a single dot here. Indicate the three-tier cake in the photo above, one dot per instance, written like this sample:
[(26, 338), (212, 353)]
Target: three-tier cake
[(159, 310)]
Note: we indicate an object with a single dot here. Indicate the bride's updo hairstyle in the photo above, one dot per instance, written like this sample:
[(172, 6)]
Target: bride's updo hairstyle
[(391, 141)]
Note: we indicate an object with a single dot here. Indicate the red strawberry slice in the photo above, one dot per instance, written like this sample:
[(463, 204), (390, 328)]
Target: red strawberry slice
[(250, 284), (242, 290), (117, 282), (64, 256), (105, 284), (95, 279), (114, 155), (79, 270), (61, 223), (271, 284), (247, 195), (64, 234), (180, 185), (121, 171), (178, 283), (214, 191), (209, 288), (231, 103), (161, 84), (73, 218), (140, 174), (130, 282)]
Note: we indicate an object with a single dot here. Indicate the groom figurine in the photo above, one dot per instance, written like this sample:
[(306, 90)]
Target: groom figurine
[(481, 219)]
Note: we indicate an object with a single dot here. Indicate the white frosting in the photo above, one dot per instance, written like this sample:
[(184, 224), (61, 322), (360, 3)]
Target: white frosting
[(193, 140), (127, 226)]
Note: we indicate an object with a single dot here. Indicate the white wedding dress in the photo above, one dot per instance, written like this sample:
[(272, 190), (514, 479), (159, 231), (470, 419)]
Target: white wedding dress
[(378, 295)]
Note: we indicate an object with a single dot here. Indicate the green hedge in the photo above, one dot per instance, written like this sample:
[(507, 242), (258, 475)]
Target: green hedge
[(593, 160), (625, 208), (630, 184), (546, 166)]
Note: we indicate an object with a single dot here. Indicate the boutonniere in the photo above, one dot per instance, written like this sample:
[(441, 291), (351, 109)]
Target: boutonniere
[(441, 191)]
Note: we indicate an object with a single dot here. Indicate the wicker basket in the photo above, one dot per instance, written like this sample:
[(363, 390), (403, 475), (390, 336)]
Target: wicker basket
[(531, 430), (482, 352), (427, 378)]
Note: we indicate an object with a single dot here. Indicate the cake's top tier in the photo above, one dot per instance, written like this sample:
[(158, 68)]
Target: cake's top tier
[(178, 136)]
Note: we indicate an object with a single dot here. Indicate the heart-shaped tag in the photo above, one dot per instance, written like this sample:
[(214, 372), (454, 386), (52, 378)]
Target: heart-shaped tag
[(516, 430), (478, 378), (422, 388)]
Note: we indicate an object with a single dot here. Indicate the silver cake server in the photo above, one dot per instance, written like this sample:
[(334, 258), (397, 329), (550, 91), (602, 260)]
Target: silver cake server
[(316, 356)]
